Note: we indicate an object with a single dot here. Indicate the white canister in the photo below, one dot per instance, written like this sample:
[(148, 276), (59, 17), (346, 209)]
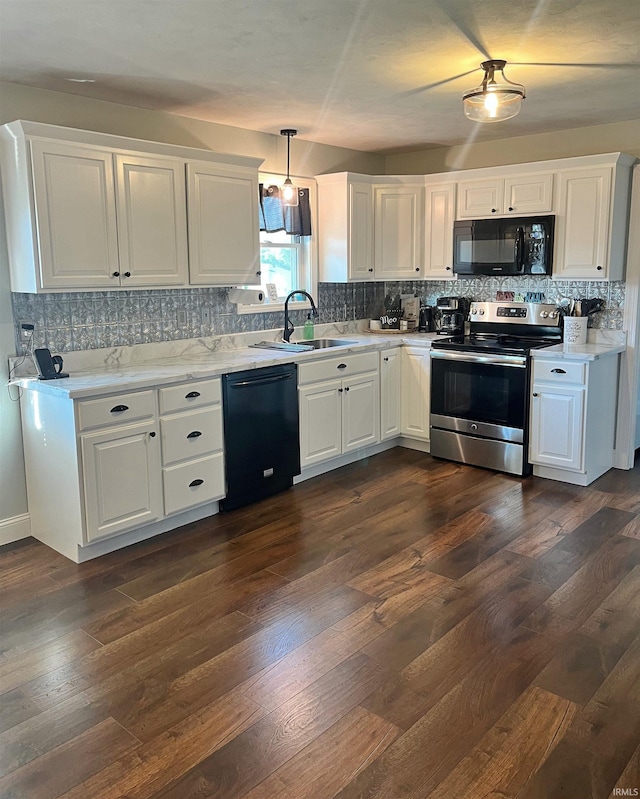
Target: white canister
[(575, 331)]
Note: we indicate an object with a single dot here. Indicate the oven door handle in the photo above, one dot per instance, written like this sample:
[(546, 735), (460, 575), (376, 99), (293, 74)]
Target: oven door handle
[(517, 361)]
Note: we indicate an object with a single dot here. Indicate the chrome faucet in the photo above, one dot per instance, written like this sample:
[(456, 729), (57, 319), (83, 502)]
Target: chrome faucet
[(288, 327)]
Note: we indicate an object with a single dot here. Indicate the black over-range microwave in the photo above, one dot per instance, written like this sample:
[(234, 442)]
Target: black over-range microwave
[(506, 246)]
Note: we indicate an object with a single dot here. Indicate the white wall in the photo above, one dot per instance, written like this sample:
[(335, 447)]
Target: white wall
[(616, 137)]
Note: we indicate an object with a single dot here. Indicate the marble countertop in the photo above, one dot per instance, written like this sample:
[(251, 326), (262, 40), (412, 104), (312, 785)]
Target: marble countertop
[(580, 352), (200, 364)]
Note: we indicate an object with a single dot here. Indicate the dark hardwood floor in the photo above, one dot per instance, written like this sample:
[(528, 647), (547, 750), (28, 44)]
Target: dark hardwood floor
[(402, 627)]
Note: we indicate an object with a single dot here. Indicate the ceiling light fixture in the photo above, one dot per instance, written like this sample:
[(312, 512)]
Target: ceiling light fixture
[(289, 191), (495, 99)]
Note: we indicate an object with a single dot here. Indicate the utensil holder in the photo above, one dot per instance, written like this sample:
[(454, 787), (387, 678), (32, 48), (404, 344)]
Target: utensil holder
[(575, 331)]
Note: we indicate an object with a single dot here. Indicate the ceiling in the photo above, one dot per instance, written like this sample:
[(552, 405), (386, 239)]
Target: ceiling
[(373, 75)]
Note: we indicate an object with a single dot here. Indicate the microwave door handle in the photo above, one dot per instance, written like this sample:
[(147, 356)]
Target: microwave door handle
[(519, 249)]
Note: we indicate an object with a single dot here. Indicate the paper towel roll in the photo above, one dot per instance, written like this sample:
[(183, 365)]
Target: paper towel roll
[(246, 296)]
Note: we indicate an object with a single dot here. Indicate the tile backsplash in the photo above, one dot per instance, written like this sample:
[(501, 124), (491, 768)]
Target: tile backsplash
[(90, 320)]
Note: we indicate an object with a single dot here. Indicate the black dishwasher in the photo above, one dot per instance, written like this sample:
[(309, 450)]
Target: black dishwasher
[(262, 440)]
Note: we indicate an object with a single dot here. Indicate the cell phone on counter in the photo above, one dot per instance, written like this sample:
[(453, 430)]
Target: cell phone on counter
[(49, 367)]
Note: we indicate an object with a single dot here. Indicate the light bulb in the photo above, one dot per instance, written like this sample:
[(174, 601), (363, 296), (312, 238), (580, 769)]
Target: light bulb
[(491, 103), (288, 192)]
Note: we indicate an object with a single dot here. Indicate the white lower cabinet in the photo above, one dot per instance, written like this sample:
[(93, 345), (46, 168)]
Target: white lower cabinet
[(111, 466), (572, 418), (390, 393), (121, 475), (340, 414), (192, 445), (416, 388)]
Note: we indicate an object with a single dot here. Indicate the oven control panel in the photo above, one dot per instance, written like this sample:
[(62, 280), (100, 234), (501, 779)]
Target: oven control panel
[(528, 313)]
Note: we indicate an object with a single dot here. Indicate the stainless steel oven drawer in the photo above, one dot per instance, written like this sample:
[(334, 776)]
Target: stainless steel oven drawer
[(503, 456)]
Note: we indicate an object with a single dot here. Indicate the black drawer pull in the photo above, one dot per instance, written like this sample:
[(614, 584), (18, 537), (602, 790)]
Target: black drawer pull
[(195, 483), (119, 408), (342, 366), (192, 395), (558, 371), (194, 434)]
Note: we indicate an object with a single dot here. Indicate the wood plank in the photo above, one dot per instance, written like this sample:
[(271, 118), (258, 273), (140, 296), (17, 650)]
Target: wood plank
[(67, 765), (588, 656), (259, 751), (139, 774), (421, 758), (331, 761), (504, 759)]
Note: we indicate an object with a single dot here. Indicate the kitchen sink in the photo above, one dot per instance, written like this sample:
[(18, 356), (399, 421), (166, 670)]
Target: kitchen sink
[(323, 343)]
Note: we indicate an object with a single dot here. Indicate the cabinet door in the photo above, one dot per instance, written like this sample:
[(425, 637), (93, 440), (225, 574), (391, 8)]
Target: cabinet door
[(582, 224), (320, 422), (438, 231), (360, 412), (557, 426), (152, 221), (390, 381), (76, 216), (224, 247), (398, 231), (122, 479), (480, 198), (528, 194), (416, 387), (360, 231)]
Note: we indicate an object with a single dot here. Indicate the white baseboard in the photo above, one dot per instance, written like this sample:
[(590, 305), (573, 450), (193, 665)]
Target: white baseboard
[(14, 529)]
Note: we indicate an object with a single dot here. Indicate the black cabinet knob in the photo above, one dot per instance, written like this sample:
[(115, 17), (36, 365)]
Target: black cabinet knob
[(195, 483), (417, 268), (599, 268), (127, 274), (493, 210), (510, 208), (192, 395), (152, 434), (258, 273), (194, 434), (385, 359), (347, 388), (339, 391), (115, 274), (535, 393), (371, 270), (448, 268), (119, 408)]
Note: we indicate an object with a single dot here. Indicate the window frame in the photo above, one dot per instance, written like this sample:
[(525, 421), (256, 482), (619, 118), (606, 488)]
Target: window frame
[(308, 248)]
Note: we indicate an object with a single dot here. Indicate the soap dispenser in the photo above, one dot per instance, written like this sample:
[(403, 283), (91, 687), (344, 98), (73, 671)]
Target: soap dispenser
[(308, 331)]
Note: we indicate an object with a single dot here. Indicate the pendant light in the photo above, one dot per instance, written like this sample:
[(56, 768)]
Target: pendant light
[(289, 192), (496, 98)]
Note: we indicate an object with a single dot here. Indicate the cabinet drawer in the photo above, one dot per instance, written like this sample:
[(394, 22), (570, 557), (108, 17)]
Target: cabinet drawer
[(189, 395), (118, 409), (337, 367), (193, 483), (191, 434), (559, 371)]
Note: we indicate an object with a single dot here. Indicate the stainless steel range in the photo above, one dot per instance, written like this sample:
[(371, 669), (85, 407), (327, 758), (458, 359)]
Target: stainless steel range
[(480, 384)]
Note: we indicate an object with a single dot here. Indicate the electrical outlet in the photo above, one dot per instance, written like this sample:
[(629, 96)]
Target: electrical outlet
[(25, 335), (206, 315), (182, 318)]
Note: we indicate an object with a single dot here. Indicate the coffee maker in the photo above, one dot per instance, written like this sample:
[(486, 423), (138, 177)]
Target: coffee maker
[(450, 315)]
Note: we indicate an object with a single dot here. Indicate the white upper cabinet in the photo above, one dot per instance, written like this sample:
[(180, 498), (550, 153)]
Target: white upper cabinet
[(89, 210), (591, 222), (345, 228), (398, 231), (224, 246), (438, 230), (74, 242), (517, 195), (152, 225)]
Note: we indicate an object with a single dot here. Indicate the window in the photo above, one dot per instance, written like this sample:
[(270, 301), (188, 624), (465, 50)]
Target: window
[(287, 261)]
